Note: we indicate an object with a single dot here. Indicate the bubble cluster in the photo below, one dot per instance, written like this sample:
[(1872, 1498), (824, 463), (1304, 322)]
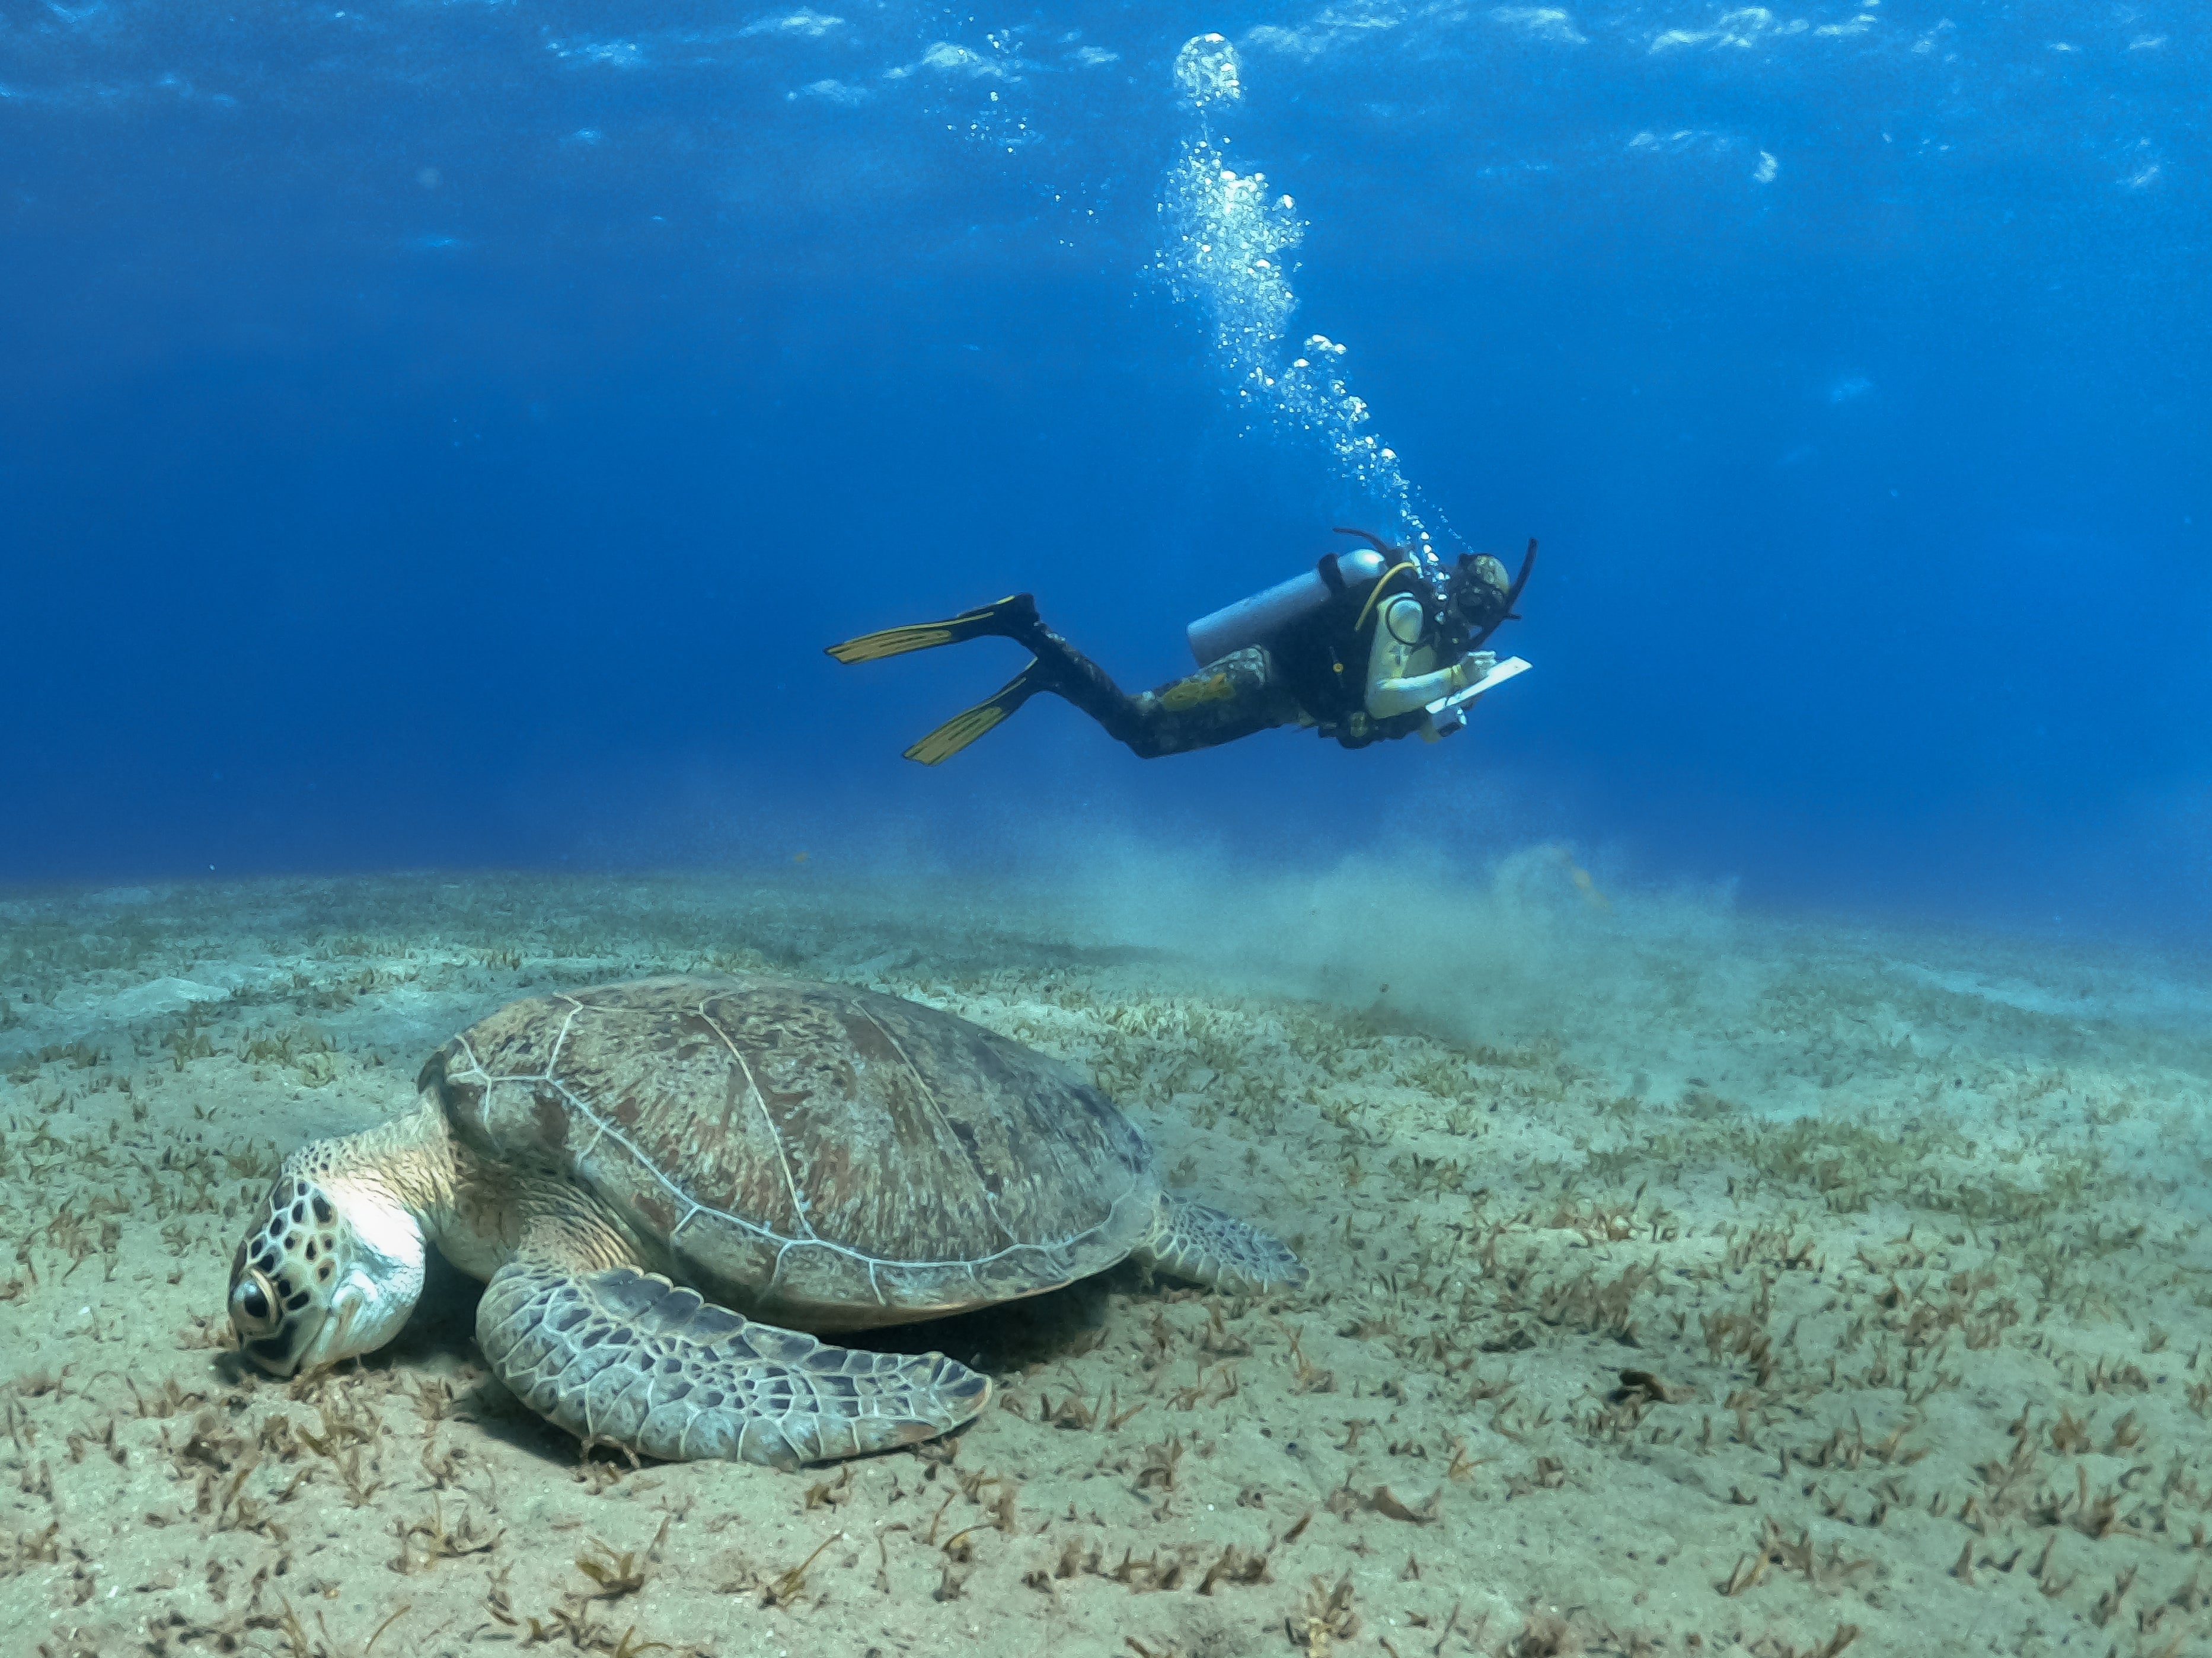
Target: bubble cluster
[(1230, 236), (1206, 70)]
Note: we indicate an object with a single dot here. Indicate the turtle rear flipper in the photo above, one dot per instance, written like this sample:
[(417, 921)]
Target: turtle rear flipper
[(1193, 1241), (624, 1358)]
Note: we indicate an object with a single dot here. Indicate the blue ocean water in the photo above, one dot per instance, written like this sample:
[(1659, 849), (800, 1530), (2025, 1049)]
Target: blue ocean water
[(448, 435)]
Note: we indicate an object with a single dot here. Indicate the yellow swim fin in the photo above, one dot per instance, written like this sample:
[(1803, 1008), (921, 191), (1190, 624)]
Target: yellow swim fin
[(964, 727), (1007, 619)]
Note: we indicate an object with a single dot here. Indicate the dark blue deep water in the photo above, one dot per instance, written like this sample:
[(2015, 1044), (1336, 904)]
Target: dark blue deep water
[(448, 435)]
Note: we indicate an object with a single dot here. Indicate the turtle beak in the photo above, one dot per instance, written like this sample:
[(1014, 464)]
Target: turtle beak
[(275, 1354)]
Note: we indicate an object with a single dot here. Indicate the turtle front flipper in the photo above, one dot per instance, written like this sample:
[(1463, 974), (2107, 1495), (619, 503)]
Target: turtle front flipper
[(1192, 1240), (624, 1358)]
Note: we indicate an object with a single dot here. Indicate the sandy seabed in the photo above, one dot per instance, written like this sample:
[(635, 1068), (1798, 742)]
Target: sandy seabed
[(1684, 1281)]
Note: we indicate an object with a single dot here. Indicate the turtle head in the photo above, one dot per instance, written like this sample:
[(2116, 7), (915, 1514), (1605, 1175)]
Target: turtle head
[(332, 1268)]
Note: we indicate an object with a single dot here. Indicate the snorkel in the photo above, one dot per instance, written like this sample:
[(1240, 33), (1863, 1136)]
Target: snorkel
[(1505, 612)]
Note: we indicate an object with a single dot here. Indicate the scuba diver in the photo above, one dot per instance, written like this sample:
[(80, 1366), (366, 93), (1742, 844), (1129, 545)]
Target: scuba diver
[(1365, 647)]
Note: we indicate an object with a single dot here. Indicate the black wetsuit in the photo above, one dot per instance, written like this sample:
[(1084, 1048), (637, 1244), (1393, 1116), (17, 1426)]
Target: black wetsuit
[(1317, 670), (1312, 672)]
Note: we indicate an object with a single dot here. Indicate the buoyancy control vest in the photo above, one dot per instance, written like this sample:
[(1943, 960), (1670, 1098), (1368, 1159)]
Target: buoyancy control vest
[(1318, 629)]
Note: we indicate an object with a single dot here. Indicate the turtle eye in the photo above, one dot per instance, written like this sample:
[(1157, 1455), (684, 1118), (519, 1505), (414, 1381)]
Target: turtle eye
[(252, 1306)]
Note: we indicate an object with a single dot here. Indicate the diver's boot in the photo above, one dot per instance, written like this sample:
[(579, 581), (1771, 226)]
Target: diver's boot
[(1012, 617), (964, 727)]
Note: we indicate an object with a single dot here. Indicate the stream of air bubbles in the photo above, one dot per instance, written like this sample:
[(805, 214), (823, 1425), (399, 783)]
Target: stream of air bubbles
[(1229, 238)]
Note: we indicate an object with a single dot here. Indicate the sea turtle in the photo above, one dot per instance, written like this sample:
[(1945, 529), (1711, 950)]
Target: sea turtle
[(664, 1181)]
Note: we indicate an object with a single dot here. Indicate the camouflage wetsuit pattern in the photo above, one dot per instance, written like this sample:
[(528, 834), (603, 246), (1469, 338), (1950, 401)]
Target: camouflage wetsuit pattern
[(1222, 702)]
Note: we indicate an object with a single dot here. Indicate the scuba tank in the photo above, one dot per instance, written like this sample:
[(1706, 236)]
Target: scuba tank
[(1263, 617)]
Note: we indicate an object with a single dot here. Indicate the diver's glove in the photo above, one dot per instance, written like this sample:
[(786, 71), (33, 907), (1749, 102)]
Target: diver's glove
[(1468, 669)]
